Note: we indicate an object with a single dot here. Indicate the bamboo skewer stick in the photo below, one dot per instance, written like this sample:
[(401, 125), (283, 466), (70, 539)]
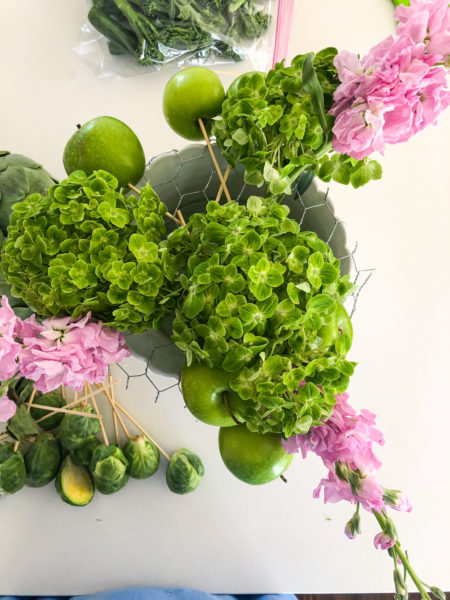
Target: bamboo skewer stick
[(54, 411), (116, 412), (133, 420), (66, 411), (33, 394), (225, 177), (94, 404), (180, 216), (168, 214), (214, 159)]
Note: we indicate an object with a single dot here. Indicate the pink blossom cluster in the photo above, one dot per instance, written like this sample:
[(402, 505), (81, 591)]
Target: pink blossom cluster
[(345, 444), (56, 352), (398, 88)]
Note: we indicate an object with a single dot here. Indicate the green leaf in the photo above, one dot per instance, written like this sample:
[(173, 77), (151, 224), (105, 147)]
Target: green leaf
[(364, 172), (321, 303), (193, 305), (314, 89), (240, 136), (143, 251)]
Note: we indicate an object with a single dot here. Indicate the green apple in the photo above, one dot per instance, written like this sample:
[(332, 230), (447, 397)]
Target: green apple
[(337, 324), (204, 391), (191, 94), (108, 144), (255, 458)]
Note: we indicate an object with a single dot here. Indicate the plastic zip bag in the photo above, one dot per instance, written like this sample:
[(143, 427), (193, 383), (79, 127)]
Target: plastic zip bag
[(135, 37)]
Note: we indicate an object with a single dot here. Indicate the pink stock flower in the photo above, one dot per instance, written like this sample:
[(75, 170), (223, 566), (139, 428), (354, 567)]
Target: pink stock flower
[(369, 493), (346, 437), (9, 351), (65, 352), (426, 23), (383, 541), (7, 408), (388, 96), (8, 319)]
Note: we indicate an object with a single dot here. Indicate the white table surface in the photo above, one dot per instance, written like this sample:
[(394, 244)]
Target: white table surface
[(227, 536)]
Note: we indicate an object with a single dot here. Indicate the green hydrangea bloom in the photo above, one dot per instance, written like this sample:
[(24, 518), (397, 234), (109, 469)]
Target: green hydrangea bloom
[(87, 247)]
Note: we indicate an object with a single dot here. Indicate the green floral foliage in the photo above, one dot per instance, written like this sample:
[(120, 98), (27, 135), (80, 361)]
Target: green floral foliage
[(257, 293), (86, 247), (278, 126)]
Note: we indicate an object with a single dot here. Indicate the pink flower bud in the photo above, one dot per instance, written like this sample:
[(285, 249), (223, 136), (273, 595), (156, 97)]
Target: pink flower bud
[(383, 541)]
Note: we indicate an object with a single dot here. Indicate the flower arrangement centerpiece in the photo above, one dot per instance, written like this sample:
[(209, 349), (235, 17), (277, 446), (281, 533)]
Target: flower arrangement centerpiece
[(256, 302)]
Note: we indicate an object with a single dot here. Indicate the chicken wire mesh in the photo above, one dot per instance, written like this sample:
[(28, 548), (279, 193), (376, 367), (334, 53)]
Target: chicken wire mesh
[(185, 181)]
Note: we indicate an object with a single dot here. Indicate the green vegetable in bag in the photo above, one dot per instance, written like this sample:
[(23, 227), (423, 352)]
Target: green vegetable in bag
[(109, 468), (12, 469), (143, 457), (42, 460), (184, 471), (74, 429)]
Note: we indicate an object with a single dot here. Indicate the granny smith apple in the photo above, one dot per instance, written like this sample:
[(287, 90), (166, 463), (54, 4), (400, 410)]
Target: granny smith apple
[(337, 324), (204, 391), (255, 458), (109, 144), (191, 94)]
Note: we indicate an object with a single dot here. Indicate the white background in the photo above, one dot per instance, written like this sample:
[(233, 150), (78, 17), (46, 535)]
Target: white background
[(229, 537)]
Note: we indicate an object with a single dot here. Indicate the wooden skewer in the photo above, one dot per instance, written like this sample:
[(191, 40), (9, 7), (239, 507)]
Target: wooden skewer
[(66, 411), (134, 188), (168, 214), (113, 406), (54, 411), (94, 404), (225, 177), (180, 216), (214, 159), (33, 394), (111, 388), (133, 420)]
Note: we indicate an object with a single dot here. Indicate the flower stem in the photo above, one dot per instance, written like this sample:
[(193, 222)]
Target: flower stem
[(402, 556)]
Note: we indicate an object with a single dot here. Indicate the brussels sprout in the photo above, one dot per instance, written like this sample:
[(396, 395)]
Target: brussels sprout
[(12, 469), (42, 460), (51, 399), (109, 468), (143, 457), (184, 471), (74, 483), (83, 454), (74, 429), (21, 425)]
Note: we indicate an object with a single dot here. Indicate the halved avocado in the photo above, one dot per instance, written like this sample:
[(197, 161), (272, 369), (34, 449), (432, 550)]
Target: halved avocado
[(74, 483)]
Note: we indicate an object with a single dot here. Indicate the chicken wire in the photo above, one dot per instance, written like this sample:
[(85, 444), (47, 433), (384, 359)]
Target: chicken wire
[(185, 181)]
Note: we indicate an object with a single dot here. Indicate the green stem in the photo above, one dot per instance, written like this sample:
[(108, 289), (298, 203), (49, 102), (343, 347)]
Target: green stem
[(402, 556)]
